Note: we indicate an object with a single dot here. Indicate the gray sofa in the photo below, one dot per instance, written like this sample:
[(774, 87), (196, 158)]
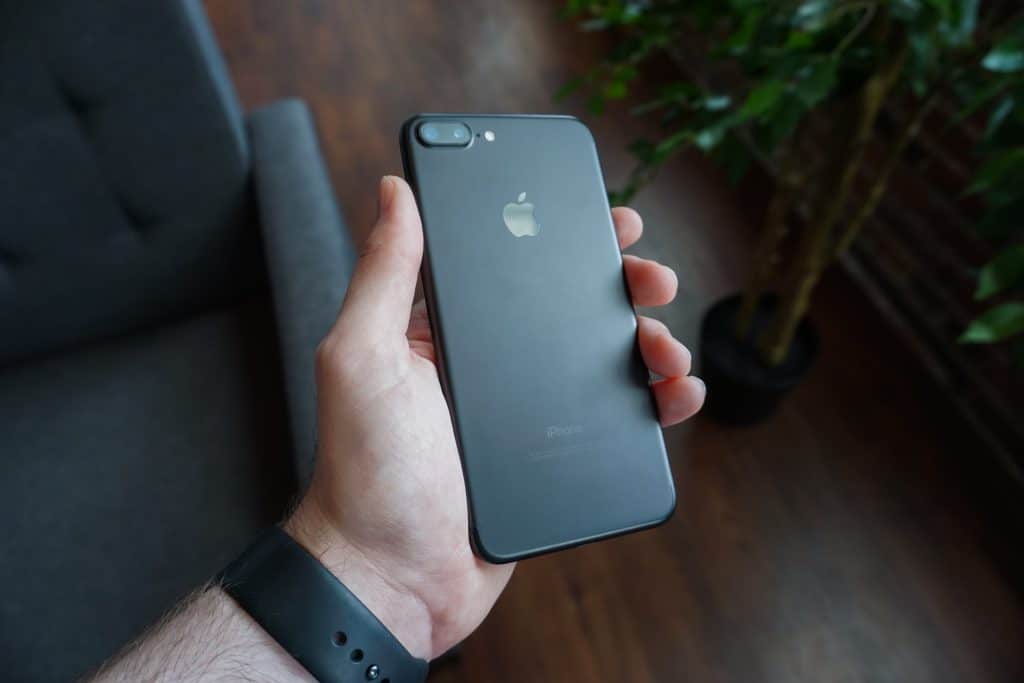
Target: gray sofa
[(167, 267)]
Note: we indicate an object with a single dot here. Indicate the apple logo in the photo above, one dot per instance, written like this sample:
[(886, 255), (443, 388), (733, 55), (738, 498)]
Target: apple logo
[(519, 218)]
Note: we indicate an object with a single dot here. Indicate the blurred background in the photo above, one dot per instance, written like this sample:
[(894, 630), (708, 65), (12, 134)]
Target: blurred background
[(839, 185)]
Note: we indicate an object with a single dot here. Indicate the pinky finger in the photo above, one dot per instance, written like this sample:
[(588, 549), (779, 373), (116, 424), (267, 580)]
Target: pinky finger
[(678, 398)]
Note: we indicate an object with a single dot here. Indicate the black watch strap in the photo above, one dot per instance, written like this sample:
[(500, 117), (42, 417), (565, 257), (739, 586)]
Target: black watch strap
[(314, 617)]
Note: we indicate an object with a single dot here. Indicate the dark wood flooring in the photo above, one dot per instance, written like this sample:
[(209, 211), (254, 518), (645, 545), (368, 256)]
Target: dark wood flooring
[(850, 538)]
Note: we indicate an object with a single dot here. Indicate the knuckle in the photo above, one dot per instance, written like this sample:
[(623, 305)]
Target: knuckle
[(325, 355), (347, 362), (332, 359), (372, 245)]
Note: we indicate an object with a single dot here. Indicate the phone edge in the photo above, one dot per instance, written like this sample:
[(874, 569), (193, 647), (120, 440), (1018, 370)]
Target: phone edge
[(476, 541)]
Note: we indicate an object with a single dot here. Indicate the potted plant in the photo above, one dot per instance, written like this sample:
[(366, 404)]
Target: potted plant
[(765, 82)]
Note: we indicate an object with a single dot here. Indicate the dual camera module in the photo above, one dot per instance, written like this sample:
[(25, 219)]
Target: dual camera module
[(447, 134)]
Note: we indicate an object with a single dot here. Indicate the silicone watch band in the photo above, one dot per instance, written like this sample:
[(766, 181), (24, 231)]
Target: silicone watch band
[(314, 617)]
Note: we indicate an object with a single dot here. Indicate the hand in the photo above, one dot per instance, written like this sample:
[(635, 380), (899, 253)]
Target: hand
[(386, 509)]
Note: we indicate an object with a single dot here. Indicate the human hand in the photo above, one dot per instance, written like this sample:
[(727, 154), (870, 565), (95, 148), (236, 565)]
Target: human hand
[(386, 509)]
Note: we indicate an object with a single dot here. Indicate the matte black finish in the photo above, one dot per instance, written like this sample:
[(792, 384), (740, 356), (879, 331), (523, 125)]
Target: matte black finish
[(549, 396)]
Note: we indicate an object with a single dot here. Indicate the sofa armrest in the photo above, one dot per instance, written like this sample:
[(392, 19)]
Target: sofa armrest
[(308, 253), (210, 53)]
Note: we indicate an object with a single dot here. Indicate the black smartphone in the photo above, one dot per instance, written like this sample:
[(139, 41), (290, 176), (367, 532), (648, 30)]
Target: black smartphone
[(535, 333)]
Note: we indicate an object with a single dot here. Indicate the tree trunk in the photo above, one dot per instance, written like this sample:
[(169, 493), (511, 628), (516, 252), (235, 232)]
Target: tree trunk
[(881, 183), (815, 250), (773, 232)]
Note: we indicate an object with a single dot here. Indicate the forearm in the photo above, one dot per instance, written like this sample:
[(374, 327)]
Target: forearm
[(207, 638)]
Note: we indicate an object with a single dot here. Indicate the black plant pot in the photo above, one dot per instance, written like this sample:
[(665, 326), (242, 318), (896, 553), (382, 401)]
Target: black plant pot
[(742, 389)]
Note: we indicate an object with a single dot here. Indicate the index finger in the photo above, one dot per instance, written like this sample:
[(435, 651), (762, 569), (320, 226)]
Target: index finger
[(628, 225)]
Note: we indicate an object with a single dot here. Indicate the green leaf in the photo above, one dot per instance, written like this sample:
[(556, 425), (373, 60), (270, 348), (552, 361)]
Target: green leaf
[(817, 81), (999, 115), (666, 147), (739, 41), (906, 10), (707, 138), (1006, 57), (783, 120), (962, 20), (643, 150), (615, 90), (813, 15), (595, 105), (569, 88), (797, 40), (998, 171), (648, 107), (1002, 220), (762, 98), (672, 94), (595, 24), (977, 99), (741, 5), (734, 157), (625, 72), (717, 102), (1002, 272), (631, 12), (923, 49), (622, 197), (576, 6), (680, 90), (957, 20), (995, 324)]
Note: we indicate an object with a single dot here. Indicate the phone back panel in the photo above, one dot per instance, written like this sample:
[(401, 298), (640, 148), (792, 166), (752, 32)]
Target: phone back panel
[(536, 335)]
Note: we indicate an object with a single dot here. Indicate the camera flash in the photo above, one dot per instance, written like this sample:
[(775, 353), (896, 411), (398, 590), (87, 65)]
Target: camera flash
[(489, 135)]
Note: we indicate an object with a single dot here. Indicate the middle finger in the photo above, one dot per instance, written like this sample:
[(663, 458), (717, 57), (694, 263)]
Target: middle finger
[(650, 283)]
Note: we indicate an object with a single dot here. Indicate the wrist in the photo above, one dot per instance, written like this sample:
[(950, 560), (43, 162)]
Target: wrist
[(366, 576)]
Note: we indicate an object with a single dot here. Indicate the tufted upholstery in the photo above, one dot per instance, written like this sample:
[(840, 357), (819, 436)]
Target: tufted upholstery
[(131, 471), (124, 172), (167, 267)]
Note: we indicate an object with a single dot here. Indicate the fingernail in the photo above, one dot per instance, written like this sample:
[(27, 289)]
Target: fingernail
[(698, 380), (385, 195)]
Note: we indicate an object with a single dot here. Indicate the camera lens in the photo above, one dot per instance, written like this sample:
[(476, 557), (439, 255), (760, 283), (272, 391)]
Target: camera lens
[(442, 133)]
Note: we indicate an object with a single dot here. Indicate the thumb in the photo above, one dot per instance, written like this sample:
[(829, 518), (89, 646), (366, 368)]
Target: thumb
[(380, 295)]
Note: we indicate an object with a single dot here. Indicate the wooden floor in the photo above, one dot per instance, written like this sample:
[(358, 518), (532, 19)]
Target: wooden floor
[(851, 538)]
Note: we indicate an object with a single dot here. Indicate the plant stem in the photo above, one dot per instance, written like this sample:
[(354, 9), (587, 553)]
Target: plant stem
[(865, 20), (881, 182), (773, 232), (814, 251)]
